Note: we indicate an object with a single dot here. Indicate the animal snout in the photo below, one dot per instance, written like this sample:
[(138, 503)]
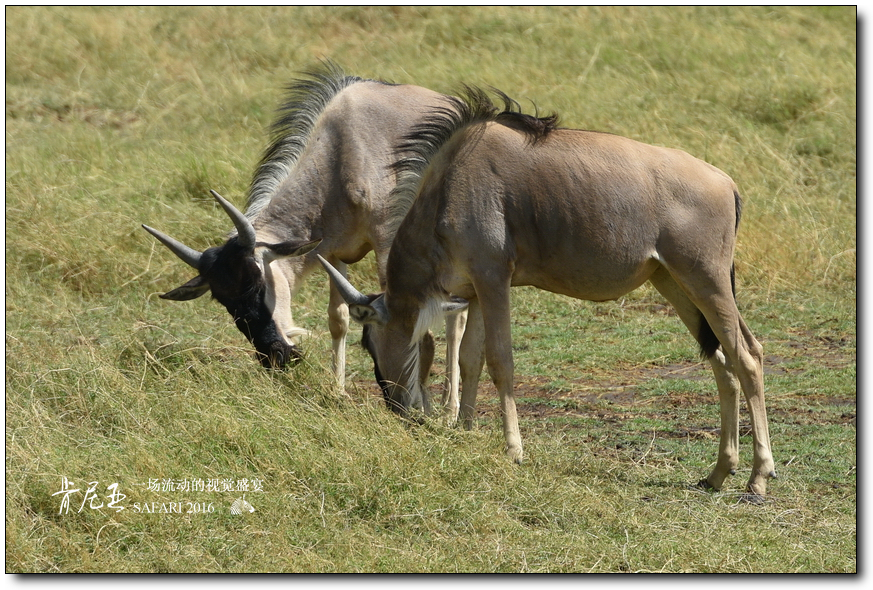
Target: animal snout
[(277, 355)]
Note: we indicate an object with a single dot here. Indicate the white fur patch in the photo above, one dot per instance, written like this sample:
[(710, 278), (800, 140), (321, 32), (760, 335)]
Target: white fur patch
[(429, 318)]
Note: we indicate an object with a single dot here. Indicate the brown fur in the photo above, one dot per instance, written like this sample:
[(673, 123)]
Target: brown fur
[(585, 214)]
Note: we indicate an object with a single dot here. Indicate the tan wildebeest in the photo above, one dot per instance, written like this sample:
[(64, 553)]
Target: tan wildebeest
[(325, 177), (498, 199)]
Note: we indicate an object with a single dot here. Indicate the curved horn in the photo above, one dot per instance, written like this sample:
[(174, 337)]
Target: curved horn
[(188, 255), (244, 227), (351, 295)]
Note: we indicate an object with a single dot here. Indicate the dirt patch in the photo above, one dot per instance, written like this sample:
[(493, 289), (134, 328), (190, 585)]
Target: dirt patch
[(833, 355), (609, 395)]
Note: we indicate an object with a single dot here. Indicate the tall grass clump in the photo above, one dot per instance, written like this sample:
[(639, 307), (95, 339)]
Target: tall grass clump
[(126, 115)]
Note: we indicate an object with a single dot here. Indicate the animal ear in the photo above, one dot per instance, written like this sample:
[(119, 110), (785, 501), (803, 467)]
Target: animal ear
[(190, 290), (369, 313), (289, 249), (456, 305)]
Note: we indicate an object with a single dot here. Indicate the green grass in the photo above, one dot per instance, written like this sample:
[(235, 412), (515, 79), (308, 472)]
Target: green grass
[(122, 116)]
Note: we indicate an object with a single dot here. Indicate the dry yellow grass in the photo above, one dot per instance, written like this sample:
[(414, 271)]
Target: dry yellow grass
[(119, 116)]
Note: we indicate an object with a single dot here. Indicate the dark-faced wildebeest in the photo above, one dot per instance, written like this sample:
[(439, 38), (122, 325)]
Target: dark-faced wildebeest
[(498, 199), (325, 176)]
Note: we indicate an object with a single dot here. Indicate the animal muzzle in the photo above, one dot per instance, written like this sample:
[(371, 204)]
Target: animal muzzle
[(401, 405), (277, 354)]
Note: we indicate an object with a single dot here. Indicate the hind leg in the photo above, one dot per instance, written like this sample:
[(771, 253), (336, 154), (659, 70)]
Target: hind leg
[(731, 377), (746, 355), (713, 296), (726, 381), (752, 380)]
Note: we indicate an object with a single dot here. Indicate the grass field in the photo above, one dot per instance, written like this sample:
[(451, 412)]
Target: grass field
[(122, 116)]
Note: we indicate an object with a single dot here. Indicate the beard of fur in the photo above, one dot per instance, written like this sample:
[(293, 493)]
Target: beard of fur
[(429, 318)]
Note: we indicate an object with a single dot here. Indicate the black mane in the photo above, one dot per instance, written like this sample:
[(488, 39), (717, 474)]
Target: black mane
[(472, 106), (304, 101)]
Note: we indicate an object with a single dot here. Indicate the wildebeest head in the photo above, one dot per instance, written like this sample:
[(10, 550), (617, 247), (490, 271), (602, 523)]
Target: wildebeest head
[(400, 345), (239, 276)]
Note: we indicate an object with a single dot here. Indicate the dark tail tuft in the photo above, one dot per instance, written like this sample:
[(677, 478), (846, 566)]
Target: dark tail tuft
[(706, 337), (738, 204), (733, 282)]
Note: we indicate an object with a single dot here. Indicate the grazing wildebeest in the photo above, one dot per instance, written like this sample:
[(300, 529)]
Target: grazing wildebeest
[(498, 199), (325, 176)]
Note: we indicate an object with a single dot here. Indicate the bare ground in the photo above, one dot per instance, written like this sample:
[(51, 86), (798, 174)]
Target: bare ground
[(610, 394)]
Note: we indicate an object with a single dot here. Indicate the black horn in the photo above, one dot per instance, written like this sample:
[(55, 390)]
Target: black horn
[(188, 255), (244, 227)]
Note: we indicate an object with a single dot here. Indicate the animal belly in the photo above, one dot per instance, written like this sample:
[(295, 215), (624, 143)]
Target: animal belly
[(600, 280)]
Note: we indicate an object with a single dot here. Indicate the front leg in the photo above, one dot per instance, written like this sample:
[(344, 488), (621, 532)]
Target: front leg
[(455, 324), (471, 360), (494, 304), (426, 349), (338, 323)]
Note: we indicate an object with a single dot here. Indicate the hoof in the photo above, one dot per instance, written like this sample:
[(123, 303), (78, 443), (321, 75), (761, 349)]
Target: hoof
[(751, 498), (704, 484), (515, 455), (451, 420)]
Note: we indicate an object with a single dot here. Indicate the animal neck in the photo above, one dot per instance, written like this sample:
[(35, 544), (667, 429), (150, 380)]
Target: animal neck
[(295, 209), (413, 277), (303, 105)]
